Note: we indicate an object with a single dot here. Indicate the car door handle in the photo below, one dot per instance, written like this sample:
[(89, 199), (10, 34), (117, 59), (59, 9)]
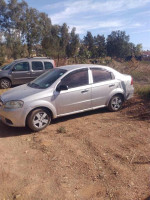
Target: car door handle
[(84, 91), (111, 85)]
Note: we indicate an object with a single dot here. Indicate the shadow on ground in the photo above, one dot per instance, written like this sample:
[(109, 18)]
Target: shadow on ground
[(80, 115), (148, 198), (6, 131)]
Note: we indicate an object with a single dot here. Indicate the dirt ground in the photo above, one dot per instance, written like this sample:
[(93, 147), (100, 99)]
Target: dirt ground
[(96, 155)]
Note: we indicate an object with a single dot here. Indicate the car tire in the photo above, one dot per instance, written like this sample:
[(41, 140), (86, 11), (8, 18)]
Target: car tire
[(115, 103), (5, 83), (38, 119)]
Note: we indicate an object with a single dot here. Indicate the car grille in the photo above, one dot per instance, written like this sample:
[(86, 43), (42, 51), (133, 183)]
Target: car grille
[(1, 102)]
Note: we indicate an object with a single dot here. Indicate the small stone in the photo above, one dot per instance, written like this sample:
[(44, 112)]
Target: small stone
[(28, 139), (17, 196)]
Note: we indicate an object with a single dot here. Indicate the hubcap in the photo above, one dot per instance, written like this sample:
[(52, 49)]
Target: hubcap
[(40, 120), (116, 103), (5, 84)]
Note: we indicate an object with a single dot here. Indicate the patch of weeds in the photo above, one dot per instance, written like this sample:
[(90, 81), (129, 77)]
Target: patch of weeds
[(2, 91), (140, 76), (143, 92), (61, 129)]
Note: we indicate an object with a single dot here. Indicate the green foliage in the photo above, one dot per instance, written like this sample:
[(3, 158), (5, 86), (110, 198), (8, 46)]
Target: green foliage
[(140, 76), (61, 129), (118, 44), (73, 44), (26, 30), (143, 92)]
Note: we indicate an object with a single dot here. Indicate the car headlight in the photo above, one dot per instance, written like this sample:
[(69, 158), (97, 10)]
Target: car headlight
[(13, 104)]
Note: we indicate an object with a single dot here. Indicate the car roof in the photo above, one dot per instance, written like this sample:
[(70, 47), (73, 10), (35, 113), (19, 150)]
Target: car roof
[(80, 66), (33, 58)]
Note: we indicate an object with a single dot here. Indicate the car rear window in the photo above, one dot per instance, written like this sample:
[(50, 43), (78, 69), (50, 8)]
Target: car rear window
[(48, 65), (100, 75)]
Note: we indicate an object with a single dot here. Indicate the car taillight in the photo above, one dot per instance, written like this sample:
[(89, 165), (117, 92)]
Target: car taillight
[(131, 81)]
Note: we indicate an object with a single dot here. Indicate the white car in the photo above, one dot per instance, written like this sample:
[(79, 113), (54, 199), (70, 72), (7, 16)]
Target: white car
[(63, 91)]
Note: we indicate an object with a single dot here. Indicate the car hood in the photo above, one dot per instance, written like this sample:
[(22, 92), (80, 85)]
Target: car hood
[(24, 91)]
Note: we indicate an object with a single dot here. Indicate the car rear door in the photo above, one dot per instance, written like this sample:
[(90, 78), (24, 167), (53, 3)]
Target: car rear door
[(37, 69), (78, 96), (103, 84)]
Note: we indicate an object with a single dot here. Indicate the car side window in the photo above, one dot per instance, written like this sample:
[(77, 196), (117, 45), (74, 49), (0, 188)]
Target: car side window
[(23, 66), (37, 65), (100, 75), (76, 78), (48, 65)]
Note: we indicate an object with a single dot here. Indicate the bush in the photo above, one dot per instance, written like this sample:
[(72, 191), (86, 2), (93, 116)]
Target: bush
[(143, 92)]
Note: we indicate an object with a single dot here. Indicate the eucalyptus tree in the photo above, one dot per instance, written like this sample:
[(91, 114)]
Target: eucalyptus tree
[(118, 44), (73, 44)]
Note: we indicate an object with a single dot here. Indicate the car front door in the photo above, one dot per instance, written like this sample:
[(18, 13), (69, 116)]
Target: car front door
[(103, 84), (21, 73), (78, 96)]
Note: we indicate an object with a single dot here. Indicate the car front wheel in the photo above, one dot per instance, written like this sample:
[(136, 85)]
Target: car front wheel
[(5, 83), (115, 103), (38, 119)]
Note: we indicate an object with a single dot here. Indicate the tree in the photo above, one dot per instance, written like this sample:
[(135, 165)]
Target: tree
[(73, 44), (89, 43), (64, 39), (32, 29), (100, 44), (51, 42), (118, 44), (45, 25), (2, 14)]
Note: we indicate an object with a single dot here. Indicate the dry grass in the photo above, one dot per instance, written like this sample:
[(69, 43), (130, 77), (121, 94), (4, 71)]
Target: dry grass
[(2, 91), (143, 91)]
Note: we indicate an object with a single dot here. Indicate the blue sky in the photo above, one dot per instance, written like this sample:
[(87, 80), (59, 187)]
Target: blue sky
[(101, 16)]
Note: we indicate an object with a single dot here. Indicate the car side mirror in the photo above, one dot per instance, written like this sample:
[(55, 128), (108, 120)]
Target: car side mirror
[(61, 87), (13, 69)]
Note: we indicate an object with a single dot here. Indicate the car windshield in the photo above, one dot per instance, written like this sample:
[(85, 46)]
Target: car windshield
[(47, 79), (7, 67)]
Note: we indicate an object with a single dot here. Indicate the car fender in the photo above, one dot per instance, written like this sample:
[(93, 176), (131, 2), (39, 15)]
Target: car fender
[(5, 74), (114, 92), (40, 103)]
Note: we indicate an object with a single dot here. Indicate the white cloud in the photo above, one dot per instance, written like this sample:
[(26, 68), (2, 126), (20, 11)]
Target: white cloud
[(74, 8), (81, 29), (141, 31)]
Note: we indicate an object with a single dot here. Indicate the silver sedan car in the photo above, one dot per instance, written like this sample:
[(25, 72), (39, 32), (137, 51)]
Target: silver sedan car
[(63, 91)]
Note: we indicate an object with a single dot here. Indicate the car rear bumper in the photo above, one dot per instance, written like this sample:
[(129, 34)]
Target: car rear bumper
[(130, 93)]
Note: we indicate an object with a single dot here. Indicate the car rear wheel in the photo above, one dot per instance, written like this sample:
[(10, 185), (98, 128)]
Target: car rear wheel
[(38, 119), (115, 103), (5, 83)]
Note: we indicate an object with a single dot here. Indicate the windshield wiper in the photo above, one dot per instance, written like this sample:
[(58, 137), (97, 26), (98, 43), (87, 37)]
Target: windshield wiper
[(34, 85)]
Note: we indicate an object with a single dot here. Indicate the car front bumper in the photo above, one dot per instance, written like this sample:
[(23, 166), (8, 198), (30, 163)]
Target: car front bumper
[(13, 117)]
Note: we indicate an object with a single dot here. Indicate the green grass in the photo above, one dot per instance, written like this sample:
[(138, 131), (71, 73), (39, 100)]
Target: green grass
[(61, 129), (140, 76), (2, 91), (145, 62), (143, 91)]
